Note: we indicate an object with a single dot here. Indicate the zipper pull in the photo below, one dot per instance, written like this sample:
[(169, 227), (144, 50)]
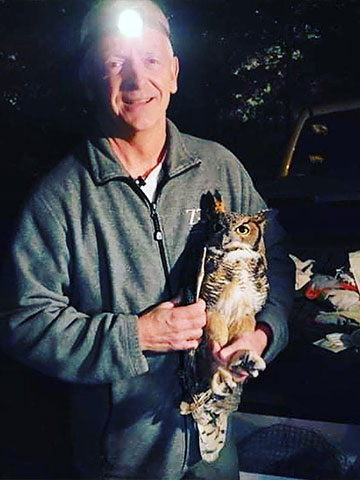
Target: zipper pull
[(153, 209), (157, 235)]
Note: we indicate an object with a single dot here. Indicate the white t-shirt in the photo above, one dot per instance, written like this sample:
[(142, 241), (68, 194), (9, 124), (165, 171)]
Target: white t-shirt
[(151, 182)]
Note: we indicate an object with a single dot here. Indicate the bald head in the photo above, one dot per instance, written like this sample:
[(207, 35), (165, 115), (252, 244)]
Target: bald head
[(102, 19), (128, 77)]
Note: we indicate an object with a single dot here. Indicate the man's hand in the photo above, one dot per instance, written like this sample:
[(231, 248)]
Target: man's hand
[(255, 341), (168, 327)]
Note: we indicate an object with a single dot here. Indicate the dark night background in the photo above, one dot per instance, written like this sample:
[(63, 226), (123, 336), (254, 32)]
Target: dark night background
[(247, 66)]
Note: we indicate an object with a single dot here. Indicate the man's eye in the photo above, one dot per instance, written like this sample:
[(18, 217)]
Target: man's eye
[(113, 65), (152, 61)]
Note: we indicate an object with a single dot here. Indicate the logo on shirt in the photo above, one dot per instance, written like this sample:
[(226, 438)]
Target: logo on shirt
[(194, 215)]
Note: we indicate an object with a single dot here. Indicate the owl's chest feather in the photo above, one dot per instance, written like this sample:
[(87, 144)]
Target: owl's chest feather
[(235, 280)]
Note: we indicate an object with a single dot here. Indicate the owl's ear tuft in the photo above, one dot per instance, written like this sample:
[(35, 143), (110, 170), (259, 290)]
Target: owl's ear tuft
[(211, 205), (265, 215), (220, 205)]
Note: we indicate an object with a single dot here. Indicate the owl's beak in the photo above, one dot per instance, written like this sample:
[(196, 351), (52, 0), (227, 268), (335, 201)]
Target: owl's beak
[(231, 245)]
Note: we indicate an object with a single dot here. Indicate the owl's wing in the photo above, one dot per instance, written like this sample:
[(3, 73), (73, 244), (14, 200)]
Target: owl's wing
[(201, 274), (195, 373)]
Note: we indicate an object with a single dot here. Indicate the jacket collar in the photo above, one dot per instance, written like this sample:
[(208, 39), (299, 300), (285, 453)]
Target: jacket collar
[(104, 166)]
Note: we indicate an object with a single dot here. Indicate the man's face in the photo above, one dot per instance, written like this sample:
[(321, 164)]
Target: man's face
[(140, 75)]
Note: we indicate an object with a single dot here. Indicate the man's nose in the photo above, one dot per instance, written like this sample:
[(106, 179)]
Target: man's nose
[(132, 75)]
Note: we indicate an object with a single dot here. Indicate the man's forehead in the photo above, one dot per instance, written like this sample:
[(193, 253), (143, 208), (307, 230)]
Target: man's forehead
[(150, 41), (103, 19)]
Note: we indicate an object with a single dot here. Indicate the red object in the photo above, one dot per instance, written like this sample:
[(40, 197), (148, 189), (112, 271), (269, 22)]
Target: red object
[(312, 292)]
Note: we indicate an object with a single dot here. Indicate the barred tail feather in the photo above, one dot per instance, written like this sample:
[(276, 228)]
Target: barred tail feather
[(212, 437), (211, 413)]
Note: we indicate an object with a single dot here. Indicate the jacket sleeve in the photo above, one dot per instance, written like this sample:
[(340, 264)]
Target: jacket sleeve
[(38, 324), (281, 280)]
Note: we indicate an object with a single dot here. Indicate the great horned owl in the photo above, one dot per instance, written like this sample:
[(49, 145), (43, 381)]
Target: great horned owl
[(234, 285)]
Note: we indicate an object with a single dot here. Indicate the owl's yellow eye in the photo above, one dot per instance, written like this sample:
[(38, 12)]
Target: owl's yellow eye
[(243, 229)]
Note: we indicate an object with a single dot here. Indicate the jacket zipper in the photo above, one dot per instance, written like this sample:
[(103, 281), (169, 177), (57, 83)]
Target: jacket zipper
[(158, 235), (159, 238)]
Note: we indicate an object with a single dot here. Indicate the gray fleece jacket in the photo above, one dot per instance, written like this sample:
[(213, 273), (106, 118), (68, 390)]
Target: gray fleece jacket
[(89, 255)]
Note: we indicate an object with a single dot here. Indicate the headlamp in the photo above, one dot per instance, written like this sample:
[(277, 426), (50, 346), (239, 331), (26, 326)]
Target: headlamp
[(130, 23)]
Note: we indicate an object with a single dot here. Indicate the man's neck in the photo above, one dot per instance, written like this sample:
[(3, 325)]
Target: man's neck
[(140, 152)]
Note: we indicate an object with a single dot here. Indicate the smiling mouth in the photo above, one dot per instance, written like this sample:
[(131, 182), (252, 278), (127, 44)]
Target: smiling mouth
[(137, 101)]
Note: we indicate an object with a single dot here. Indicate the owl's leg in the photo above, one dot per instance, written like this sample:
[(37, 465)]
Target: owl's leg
[(197, 404), (222, 382), (241, 321), (216, 328), (248, 361)]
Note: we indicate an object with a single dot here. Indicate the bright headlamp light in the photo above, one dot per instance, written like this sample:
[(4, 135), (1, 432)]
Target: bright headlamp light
[(130, 23)]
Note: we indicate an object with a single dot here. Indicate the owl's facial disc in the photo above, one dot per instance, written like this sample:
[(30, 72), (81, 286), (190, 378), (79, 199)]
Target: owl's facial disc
[(230, 245)]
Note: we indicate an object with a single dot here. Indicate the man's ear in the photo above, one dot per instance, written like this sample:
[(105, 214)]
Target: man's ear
[(175, 73)]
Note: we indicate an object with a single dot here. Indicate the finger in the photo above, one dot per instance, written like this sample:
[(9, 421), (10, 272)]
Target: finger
[(199, 306), (193, 334), (191, 344), (196, 308), (201, 303), (215, 347), (229, 350), (226, 353), (168, 305), (177, 300), (189, 317)]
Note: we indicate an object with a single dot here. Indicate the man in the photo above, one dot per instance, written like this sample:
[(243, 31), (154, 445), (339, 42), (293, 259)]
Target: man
[(90, 292)]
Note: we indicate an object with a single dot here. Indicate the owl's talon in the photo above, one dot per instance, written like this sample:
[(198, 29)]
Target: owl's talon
[(185, 408), (222, 383), (248, 361)]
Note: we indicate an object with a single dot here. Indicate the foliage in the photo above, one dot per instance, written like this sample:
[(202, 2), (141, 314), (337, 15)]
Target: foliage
[(268, 59), (245, 67)]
